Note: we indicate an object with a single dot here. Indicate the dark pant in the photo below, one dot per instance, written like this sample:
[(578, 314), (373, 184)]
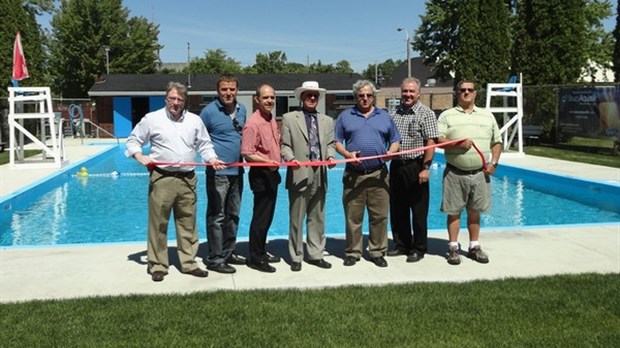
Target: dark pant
[(223, 205), (264, 185), (409, 199)]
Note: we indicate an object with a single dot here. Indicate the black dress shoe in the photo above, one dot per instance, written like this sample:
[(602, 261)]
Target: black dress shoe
[(320, 263), (396, 252), (415, 256), (350, 261), (379, 261), (235, 259), (295, 266), (262, 266), (158, 276), (197, 272), (222, 268), (272, 258)]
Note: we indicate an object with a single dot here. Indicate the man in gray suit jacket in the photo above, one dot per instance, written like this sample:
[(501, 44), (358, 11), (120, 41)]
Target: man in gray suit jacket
[(307, 135)]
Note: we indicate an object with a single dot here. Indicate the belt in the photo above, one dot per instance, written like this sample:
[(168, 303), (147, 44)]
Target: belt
[(365, 172), (178, 174), (407, 160), (463, 172)]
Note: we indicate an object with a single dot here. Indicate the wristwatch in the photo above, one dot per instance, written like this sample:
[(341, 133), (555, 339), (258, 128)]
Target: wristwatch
[(494, 164), (427, 165)]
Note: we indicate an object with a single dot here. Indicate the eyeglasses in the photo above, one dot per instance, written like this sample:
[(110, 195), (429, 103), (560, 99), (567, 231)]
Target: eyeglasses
[(367, 95), (237, 126), (312, 95), (172, 99), (468, 90)]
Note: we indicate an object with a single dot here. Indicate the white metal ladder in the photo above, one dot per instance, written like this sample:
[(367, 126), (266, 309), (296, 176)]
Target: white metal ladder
[(53, 155), (513, 115)]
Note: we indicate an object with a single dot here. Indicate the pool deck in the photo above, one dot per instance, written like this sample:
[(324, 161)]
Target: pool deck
[(74, 271)]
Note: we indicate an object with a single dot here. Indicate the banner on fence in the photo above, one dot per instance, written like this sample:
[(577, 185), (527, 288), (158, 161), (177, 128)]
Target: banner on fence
[(590, 112)]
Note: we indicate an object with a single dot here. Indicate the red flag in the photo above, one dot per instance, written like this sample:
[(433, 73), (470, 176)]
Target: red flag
[(20, 70)]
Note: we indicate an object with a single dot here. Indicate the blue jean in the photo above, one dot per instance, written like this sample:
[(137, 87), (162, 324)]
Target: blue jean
[(223, 205)]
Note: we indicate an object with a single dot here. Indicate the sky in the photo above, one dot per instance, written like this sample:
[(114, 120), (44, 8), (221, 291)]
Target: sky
[(361, 32)]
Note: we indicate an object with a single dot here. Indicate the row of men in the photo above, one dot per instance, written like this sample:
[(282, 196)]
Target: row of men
[(223, 134)]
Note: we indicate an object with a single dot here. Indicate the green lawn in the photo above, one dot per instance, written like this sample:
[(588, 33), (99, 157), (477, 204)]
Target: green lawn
[(4, 156), (562, 311)]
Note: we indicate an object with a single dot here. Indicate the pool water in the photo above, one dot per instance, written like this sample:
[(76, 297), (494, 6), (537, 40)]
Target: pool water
[(110, 205)]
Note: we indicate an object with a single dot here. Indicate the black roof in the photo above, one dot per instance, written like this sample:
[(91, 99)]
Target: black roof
[(206, 82), (419, 71)]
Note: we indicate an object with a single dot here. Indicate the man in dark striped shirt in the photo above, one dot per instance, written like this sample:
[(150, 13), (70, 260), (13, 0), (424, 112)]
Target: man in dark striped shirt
[(363, 131), (409, 173)]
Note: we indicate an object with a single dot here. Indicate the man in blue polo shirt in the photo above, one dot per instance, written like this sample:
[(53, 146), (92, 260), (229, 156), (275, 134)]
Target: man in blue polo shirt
[(224, 119), (363, 131)]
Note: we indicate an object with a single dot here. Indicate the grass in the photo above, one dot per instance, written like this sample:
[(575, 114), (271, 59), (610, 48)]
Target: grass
[(568, 310), (574, 155), (4, 156)]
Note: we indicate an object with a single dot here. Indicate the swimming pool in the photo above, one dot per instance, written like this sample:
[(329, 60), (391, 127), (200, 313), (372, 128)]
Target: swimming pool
[(105, 207)]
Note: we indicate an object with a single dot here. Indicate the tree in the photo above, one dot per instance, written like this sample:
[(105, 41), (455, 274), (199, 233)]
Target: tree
[(466, 39), (139, 53), (215, 62), (86, 33), (270, 63), (551, 41), (383, 71), (600, 44), (436, 37), (484, 42), (616, 38), (20, 16)]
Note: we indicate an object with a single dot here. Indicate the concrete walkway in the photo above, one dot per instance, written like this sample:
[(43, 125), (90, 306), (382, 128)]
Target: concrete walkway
[(120, 269)]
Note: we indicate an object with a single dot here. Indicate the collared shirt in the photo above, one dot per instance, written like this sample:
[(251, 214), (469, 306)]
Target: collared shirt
[(225, 134), (479, 125), (261, 136), (171, 140), (370, 135), (416, 125)]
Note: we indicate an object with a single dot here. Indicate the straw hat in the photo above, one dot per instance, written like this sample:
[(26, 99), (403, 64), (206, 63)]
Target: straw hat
[(309, 86)]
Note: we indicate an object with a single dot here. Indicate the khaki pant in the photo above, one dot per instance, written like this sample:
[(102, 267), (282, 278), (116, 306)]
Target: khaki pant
[(363, 191), (178, 195)]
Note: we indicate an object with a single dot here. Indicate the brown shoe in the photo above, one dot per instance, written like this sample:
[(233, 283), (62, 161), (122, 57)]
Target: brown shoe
[(158, 276), (478, 255), (197, 272)]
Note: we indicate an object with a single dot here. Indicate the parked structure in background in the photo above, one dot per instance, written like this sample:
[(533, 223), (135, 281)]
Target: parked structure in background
[(123, 99)]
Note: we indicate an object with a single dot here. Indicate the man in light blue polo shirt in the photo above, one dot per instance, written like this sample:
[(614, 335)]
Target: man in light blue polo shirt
[(224, 119), (466, 180), (363, 131)]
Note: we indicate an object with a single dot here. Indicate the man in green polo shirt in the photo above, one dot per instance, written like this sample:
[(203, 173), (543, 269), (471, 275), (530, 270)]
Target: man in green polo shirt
[(466, 180)]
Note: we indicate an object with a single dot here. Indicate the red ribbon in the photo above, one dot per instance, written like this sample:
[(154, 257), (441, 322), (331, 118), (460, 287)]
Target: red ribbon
[(151, 165)]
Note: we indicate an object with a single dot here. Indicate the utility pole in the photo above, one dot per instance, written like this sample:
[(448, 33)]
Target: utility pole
[(189, 72), (408, 51), (107, 60)]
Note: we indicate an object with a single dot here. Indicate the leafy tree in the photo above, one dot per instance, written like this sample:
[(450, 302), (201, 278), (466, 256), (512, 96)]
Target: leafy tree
[(270, 63), (138, 54), (82, 30), (599, 43), (550, 45), (215, 62), (436, 37), (18, 15), (616, 38), (466, 39), (383, 70)]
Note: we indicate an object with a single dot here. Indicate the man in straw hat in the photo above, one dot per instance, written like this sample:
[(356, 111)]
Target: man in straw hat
[(307, 135)]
